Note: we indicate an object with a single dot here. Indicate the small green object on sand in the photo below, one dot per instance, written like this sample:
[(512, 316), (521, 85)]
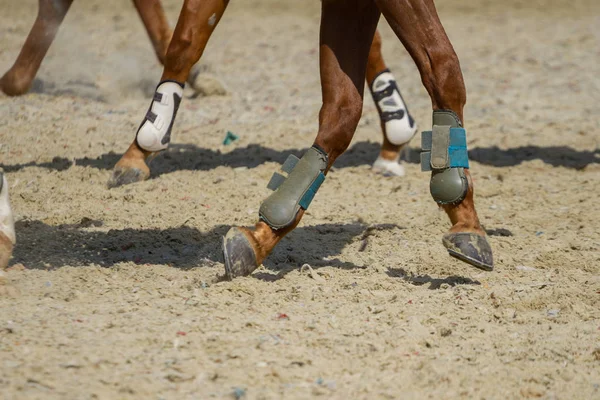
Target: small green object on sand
[(230, 137)]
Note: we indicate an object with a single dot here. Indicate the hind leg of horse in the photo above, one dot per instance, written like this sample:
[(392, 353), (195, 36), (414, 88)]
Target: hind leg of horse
[(397, 125), (417, 25), (17, 80), (7, 227), (347, 29), (197, 20)]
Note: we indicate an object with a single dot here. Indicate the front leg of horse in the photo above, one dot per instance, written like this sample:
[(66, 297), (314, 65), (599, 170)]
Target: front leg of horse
[(18, 79), (397, 125), (347, 28), (196, 23), (444, 148), (155, 21)]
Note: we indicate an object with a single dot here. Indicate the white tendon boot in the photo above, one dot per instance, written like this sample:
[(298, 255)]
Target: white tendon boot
[(154, 133), (399, 125), (7, 225)]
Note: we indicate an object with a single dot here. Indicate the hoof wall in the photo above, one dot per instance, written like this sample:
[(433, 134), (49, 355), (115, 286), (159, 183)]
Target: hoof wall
[(471, 248), (238, 253), (127, 176)]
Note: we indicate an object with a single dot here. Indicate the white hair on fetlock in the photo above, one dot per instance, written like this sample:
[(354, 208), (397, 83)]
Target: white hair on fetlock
[(388, 167), (7, 223)]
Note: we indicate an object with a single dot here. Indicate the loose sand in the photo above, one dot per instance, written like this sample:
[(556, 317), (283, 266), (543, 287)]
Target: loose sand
[(115, 294)]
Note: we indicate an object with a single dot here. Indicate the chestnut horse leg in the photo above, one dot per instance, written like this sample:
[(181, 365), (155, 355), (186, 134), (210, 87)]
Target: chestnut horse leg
[(418, 26), (397, 125), (155, 21), (7, 227), (17, 80), (347, 29), (197, 20)]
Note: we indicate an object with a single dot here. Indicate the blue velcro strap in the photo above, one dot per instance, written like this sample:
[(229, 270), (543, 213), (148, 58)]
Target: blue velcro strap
[(312, 190), (457, 149)]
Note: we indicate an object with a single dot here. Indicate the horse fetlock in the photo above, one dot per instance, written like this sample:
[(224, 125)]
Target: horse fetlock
[(399, 126), (388, 167), (296, 191), (154, 133), (444, 153)]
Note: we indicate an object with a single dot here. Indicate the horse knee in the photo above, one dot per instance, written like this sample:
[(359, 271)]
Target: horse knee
[(442, 77), (181, 54), (339, 119)]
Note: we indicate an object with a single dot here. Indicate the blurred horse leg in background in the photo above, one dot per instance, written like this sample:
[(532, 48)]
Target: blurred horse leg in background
[(397, 125), (18, 79), (197, 21)]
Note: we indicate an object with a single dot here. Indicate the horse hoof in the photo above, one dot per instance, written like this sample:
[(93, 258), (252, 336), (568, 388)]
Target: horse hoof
[(388, 167), (471, 248), (238, 253), (126, 176)]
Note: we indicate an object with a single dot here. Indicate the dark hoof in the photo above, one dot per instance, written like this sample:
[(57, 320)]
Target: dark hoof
[(125, 176), (240, 259), (471, 248)]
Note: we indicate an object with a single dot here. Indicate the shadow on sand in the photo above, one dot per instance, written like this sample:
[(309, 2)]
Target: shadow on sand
[(42, 246), (434, 283), (191, 157)]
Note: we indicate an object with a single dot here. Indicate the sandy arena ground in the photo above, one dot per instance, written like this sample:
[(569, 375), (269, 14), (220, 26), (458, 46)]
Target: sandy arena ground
[(115, 294)]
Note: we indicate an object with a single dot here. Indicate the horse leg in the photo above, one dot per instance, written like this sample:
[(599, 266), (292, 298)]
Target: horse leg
[(197, 20), (347, 29), (7, 226), (17, 80), (418, 26), (155, 21), (397, 125)]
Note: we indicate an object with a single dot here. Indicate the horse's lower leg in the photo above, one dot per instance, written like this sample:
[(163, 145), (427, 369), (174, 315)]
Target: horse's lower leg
[(7, 227), (17, 80), (155, 21), (347, 29), (417, 25), (397, 125), (197, 20)]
